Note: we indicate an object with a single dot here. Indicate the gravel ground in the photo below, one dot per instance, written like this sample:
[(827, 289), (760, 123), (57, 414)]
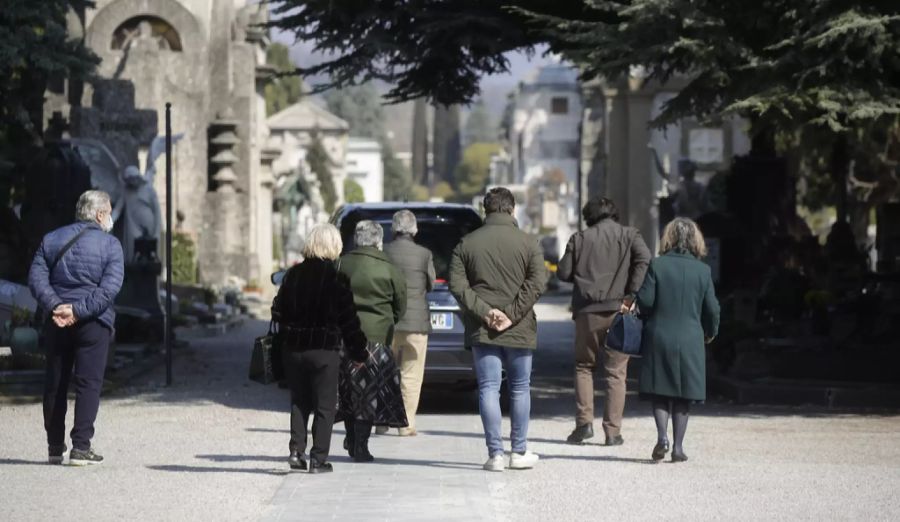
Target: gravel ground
[(212, 448)]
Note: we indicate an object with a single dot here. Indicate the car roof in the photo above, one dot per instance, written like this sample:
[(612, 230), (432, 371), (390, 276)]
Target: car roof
[(399, 205)]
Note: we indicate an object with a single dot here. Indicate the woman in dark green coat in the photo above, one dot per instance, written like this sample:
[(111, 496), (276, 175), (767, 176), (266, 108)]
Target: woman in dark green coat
[(379, 294), (681, 313)]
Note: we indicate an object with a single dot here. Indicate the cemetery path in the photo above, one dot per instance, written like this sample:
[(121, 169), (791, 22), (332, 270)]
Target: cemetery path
[(213, 447)]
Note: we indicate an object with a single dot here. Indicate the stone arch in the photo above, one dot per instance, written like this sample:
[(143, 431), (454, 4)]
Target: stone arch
[(152, 27), (121, 12)]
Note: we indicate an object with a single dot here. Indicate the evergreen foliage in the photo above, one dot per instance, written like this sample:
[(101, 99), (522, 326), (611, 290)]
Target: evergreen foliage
[(320, 163), (397, 178), (822, 71), (360, 106), (446, 143), (480, 127), (444, 191), (353, 192), (433, 49), (184, 259), (283, 91), (34, 48), (474, 169)]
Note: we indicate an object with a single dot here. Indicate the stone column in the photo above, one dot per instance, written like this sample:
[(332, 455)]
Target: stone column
[(222, 235), (264, 210)]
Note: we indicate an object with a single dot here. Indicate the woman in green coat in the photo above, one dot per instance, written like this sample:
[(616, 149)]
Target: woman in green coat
[(681, 313), (379, 294)]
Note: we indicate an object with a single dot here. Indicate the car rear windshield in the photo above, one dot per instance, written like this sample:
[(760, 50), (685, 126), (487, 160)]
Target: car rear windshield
[(439, 230)]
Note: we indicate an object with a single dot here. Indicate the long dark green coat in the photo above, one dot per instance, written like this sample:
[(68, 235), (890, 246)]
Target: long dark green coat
[(679, 305), (379, 291)]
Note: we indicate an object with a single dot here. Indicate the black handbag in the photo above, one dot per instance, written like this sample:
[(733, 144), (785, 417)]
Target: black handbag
[(266, 364), (624, 335)]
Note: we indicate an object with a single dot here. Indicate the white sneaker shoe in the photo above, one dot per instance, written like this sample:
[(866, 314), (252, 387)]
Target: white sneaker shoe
[(525, 460), (494, 463)]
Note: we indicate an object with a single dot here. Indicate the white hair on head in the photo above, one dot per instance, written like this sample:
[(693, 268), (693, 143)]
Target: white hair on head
[(89, 204), (369, 233), (404, 222)]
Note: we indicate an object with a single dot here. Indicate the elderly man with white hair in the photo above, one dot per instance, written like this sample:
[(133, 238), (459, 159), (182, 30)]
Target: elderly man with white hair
[(411, 333), (76, 274), (379, 292)]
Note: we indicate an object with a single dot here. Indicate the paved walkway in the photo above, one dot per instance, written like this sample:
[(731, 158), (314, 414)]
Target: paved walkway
[(213, 447)]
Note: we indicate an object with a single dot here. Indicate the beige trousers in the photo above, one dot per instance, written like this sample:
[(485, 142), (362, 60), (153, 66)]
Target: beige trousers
[(590, 341), (409, 352)]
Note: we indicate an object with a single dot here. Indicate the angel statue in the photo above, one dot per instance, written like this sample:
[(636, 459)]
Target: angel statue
[(131, 192)]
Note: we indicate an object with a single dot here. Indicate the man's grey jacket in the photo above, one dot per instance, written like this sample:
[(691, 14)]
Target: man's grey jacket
[(417, 265), (607, 262), (88, 276)]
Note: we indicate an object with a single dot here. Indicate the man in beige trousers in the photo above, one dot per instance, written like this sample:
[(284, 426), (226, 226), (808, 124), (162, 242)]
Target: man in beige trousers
[(607, 262), (411, 333)]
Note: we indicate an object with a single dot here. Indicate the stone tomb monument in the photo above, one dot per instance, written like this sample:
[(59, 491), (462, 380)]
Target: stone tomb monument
[(109, 135)]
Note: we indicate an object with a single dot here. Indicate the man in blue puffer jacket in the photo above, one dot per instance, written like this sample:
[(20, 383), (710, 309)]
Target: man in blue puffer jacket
[(77, 273)]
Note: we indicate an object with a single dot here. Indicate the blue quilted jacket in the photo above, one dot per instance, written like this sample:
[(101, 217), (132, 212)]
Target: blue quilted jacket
[(89, 275)]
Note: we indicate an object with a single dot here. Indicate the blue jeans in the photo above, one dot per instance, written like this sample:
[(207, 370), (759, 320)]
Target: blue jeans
[(489, 362)]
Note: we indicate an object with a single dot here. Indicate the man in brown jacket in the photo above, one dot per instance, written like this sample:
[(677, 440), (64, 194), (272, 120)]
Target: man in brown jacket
[(607, 262), (497, 274)]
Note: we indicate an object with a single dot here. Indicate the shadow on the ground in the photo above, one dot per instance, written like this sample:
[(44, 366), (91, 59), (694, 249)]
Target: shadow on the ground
[(334, 458), (21, 462), (455, 434), (242, 458), (211, 469), (601, 458)]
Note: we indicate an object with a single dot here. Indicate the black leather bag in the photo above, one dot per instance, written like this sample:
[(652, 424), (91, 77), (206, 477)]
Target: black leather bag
[(266, 364), (371, 393)]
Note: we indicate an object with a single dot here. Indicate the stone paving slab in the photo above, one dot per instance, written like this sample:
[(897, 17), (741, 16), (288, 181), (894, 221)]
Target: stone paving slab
[(433, 476)]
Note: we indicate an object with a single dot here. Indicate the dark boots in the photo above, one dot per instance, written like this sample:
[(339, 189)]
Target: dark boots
[(580, 434), (357, 441)]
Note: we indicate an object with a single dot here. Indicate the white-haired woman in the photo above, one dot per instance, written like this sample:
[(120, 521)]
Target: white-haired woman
[(379, 291), (681, 313), (317, 317)]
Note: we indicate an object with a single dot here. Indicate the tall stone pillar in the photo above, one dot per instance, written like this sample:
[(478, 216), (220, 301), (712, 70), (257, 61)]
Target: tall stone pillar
[(264, 210), (222, 236)]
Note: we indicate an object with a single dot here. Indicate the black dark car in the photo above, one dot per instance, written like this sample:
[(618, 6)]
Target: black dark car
[(441, 226)]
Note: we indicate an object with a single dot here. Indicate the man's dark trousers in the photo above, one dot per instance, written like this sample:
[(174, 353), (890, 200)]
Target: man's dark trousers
[(84, 347)]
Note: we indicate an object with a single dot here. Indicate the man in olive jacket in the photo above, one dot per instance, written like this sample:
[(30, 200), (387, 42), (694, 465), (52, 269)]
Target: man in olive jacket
[(411, 333), (497, 274), (607, 262)]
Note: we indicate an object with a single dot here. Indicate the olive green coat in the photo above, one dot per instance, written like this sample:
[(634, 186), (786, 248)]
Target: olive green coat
[(379, 291), (679, 307), (498, 266)]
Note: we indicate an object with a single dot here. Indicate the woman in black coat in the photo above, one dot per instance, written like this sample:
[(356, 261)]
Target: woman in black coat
[(317, 317)]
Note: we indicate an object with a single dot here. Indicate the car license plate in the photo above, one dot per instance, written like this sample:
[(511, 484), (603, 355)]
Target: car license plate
[(443, 321)]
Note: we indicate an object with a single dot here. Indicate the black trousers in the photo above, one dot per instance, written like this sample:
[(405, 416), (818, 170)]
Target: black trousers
[(313, 378), (82, 347)]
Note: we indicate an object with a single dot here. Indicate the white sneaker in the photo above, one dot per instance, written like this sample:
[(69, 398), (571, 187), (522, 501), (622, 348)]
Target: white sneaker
[(525, 460), (494, 463)]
